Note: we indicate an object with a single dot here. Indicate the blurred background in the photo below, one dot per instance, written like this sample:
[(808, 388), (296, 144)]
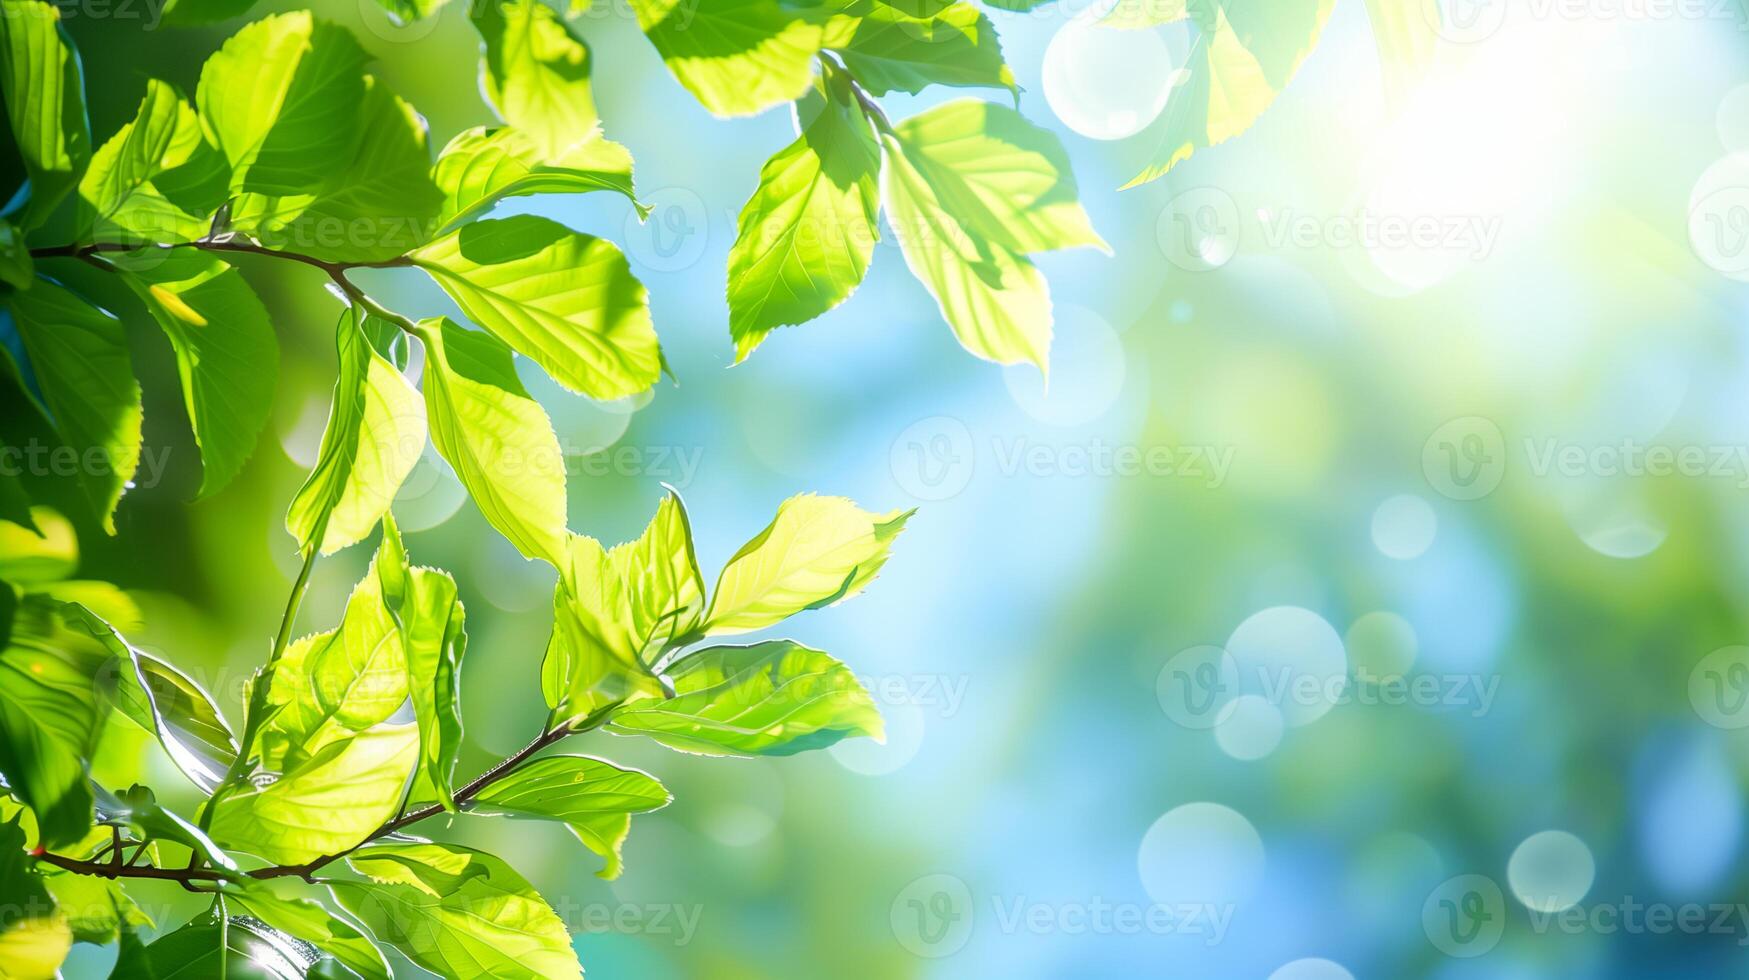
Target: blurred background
[(1364, 598)]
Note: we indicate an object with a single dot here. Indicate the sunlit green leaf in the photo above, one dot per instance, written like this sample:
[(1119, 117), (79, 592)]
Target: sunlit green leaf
[(119, 197), (80, 356), (35, 557), (228, 949), (314, 924), (816, 551), (457, 912), (44, 96), (595, 798), (34, 937), (95, 908), (375, 433), (226, 352), (433, 633), (806, 236), (482, 166), (737, 57), (536, 73), (564, 299), (330, 803), (897, 47), (774, 698), (498, 439), (137, 810), (167, 703)]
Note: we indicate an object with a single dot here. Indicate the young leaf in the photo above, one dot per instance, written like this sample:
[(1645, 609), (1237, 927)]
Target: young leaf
[(564, 299), (119, 197), (229, 949), (34, 937), (326, 805), (80, 356), (52, 710), (738, 57), (817, 551), (807, 234), (497, 438), (536, 73), (136, 810), (1244, 55), (314, 924), (595, 798), (615, 610), (482, 166), (457, 912), (281, 98), (375, 433), (226, 353), (432, 629), (44, 96), (167, 703), (773, 698), (897, 50), (376, 207)]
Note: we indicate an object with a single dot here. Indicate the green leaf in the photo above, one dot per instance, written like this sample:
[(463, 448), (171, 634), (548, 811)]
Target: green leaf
[(328, 804), (119, 196), (615, 611), (408, 11), (80, 356), (170, 705), (281, 99), (16, 267), (816, 552), (536, 74), (375, 433), (34, 938), (132, 962), (96, 909), (314, 924), (497, 438), (482, 166), (897, 50), (377, 207), (44, 96), (595, 798), (331, 686), (33, 558), (738, 57), (226, 352), (564, 299), (137, 810), (229, 949), (53, 702), (432, 628), (1244, 55), (457, 912), (806, 236), (773, 698)]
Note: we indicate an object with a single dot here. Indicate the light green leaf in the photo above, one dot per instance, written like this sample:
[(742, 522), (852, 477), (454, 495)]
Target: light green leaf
[(1244, 55), (16, 267), (226, 353), (497, 438), (595, 798), (34, 937), (80, 356), (328, 804), (432, 628), (170, 705), (281, 98), (906, 50), (457, 912), (774, 698), (375, 433), (738, 57), (44, 96), (377, 207), (119, 199), (55, 679), (536, 74), (482, 166), (806, 236), (408, 11), (33, 558), (564, 299), (135, 809), (817, 551), (314, 924), (229, 949), (615, 611), (95, 908)]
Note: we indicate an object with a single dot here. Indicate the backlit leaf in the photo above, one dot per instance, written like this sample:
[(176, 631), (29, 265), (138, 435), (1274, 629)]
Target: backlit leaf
[(737, 57), (44, 96), (595, 798)]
